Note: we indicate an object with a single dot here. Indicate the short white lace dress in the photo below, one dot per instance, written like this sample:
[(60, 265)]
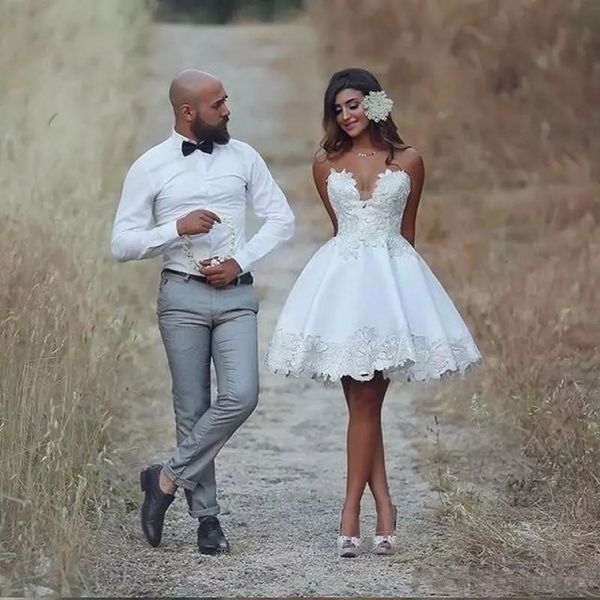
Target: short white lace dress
[(366, 301)]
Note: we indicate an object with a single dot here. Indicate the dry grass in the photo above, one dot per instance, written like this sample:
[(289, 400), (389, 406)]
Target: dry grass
[(500, 98), (523, 273), (67, 69), (489, 91)]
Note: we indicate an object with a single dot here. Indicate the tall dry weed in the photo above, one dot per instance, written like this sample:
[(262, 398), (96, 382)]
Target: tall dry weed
[(522, 269), (490, 91), (67, 121), (501, 97)]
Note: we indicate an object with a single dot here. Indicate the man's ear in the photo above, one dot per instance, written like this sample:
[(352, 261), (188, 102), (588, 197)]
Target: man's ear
[(186, 112)]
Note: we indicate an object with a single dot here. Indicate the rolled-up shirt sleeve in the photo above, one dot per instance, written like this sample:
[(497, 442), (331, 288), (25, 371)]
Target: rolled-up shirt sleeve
[(135, 234), (268, 202)]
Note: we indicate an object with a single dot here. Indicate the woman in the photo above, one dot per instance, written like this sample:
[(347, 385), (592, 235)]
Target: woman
[(366, 309)]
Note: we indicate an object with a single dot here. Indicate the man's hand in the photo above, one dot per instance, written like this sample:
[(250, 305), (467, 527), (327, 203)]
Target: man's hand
[(198, 221), (220, 275)]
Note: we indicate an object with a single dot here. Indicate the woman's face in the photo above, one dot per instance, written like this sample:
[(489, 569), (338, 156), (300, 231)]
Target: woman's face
[(349, 112)]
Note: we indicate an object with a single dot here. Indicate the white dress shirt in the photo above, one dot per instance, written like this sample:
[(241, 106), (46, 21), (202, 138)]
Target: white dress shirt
[(163, 185)]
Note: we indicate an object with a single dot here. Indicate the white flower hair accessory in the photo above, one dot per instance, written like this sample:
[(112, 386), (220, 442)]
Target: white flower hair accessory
[(377, 105)]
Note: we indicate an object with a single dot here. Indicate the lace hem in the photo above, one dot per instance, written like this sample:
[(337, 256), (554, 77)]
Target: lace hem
[(401, 357)]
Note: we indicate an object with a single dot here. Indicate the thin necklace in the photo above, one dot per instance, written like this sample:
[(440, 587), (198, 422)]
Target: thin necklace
[(366, 154)]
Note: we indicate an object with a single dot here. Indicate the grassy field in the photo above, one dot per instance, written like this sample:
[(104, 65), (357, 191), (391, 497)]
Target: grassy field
[(69, 71), (500, 98), (491, 92)]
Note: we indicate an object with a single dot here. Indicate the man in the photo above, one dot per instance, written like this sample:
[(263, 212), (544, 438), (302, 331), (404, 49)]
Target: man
[(186, 199)]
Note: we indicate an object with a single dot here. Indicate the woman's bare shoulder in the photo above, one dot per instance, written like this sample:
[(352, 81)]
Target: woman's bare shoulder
[(321, 158), (321, 163), (409, 160), (411, 157)]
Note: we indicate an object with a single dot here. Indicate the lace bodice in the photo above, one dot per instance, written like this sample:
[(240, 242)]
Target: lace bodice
[(366, 302), (373, 222)]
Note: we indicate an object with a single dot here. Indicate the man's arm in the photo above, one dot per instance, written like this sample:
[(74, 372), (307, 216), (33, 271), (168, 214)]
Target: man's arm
[(268, 202), (135, 234)]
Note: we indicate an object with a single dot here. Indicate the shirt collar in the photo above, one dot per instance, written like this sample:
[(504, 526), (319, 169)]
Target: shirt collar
[(178, 138)]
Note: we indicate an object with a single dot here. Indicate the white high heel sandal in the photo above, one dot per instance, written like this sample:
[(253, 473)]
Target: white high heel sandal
[(348, 545), (386, 543)]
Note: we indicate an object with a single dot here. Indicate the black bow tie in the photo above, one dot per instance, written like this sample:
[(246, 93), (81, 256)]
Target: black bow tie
[(189, 147)]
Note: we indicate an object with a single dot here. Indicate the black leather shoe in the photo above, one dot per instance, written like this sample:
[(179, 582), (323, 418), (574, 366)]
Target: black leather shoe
[(211, 539), (155, 504)]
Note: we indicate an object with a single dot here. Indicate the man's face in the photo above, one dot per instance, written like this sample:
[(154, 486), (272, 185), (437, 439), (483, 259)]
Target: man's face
[(211, 115)]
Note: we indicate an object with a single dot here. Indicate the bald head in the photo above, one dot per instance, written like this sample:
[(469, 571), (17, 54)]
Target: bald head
[(190, 86), (200, 106)]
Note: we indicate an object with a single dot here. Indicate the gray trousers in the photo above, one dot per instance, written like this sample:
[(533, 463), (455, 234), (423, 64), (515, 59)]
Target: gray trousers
[(198, 322)]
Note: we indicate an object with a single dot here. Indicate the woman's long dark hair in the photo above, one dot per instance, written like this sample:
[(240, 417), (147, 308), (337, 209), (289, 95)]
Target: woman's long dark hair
[(336, 141)]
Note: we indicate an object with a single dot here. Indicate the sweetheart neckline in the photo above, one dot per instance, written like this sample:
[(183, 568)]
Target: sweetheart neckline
[(378, 179)]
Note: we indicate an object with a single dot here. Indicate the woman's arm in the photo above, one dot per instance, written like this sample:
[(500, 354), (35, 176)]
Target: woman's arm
[(416, 170), (321, 170)]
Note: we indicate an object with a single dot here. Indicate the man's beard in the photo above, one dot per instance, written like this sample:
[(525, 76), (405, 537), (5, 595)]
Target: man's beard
[(217, 134)]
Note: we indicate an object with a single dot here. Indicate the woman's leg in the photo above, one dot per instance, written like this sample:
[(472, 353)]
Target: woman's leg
[(364, 405), (377, 481)]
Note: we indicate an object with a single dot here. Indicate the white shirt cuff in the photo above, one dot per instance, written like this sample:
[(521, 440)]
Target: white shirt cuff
[(242, 260), (168, 232)]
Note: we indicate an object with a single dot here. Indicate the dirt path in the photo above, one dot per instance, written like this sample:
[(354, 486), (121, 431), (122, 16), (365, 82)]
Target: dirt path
[(281, 477)]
